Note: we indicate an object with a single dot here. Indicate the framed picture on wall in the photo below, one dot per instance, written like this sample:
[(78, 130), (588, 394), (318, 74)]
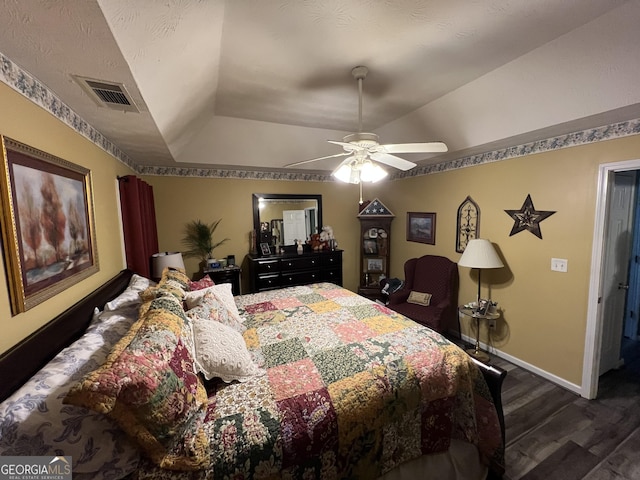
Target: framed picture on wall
[(421, 227), (47, 224)]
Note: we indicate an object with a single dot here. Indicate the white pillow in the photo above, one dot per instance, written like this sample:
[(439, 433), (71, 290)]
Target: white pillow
[(223, 293), (131, 295), (221, 352)]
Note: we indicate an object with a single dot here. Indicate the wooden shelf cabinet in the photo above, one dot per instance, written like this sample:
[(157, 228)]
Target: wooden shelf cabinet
[(375, 235)]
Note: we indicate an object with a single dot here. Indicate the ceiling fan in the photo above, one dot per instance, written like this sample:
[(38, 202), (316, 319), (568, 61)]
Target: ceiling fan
[(360, 148)]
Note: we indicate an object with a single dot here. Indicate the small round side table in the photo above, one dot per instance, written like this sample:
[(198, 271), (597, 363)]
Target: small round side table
[(470, 312)]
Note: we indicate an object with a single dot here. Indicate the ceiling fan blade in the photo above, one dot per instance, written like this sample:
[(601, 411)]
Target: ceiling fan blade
[(343, 154), (429, 147), (392, 161)]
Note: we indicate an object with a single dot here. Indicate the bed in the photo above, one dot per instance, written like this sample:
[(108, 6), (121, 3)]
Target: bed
[(337, 386)]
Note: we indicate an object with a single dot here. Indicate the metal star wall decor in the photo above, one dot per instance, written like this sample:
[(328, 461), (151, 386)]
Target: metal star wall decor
[(528, 218)]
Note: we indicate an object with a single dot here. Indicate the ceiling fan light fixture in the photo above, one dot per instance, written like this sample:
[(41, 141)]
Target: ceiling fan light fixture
[(371, 172), (347, 173)]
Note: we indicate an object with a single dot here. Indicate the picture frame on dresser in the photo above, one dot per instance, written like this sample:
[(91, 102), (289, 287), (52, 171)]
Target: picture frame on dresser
[(265, 249), (48, 223)]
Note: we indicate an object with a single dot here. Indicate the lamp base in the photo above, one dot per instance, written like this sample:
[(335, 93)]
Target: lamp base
[(479, 354)]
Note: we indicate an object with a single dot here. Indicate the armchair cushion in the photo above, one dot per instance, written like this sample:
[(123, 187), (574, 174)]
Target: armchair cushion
[(438, 276), (419, 298)]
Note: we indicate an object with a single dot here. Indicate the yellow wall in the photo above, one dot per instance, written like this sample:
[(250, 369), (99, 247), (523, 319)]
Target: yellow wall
[(179, 200), (544, 312), (22, 120)]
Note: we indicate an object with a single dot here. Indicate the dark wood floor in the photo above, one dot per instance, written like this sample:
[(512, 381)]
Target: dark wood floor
[(552, 433)]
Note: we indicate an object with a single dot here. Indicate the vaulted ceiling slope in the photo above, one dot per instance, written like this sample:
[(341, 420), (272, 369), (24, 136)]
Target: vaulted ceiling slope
[(257, 84)]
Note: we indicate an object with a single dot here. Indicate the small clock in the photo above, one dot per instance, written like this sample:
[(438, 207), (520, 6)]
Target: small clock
[(468, 223)]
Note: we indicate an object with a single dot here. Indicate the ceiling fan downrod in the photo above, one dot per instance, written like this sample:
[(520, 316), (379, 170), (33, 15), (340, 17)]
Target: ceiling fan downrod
[(360, 73)]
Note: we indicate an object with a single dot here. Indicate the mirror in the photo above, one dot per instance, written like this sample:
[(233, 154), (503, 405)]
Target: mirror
[(281, 218)]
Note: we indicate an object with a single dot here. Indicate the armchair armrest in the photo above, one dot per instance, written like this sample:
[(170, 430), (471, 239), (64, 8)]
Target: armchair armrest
[(399, 296)]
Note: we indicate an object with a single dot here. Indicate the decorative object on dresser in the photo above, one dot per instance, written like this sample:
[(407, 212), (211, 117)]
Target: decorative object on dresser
[(468, 223), (375, 234), (229, 274), (162, 260), (421, 227), (429, 295), (289, 269), (47, 224)]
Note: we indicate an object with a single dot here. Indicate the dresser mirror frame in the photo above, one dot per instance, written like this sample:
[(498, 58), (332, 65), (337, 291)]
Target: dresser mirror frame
[(284, 199)]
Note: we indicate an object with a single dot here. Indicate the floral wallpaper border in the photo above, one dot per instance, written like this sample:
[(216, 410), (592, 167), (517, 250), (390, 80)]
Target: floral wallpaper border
[(27, 85)]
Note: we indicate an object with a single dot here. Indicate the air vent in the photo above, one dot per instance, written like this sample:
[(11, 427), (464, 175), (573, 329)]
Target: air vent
[(107, 94)]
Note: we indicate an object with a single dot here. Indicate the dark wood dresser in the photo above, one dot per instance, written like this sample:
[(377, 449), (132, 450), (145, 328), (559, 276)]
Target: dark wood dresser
[(289, 269)]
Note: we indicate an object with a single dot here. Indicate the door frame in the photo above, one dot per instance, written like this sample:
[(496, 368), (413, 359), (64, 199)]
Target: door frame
[(593, 335)]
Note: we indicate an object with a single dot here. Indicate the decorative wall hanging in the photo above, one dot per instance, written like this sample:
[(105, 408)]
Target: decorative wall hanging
[(47, 224), (468, 223), (528, 218), (421, 227)]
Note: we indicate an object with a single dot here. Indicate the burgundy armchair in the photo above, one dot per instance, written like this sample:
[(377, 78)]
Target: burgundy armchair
[(434, 275)]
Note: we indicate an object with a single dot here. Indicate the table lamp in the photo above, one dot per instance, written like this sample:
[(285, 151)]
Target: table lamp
[(161, 260), (480, 254)]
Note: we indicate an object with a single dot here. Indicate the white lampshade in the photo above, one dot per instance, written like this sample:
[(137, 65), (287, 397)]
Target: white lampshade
[(480, 253), (162, 260)]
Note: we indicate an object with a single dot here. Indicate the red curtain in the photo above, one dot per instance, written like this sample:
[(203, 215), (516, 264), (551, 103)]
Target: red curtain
[(138, 223)]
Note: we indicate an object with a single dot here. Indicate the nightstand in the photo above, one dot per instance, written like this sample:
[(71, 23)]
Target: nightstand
[(226, 275)]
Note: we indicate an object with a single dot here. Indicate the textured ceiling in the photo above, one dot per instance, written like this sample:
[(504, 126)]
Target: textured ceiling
[(258, 84)]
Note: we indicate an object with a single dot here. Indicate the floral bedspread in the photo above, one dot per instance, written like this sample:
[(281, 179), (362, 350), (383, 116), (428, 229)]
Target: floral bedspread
[(351, 390)]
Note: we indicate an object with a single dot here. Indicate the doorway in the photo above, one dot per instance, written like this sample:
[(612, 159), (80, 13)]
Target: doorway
[(601, 333)]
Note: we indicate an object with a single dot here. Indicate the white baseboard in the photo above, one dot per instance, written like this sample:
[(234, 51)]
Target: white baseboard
[(561, 382)]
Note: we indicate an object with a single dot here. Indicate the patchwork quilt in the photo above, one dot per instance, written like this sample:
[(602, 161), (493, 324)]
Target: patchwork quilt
[(349, 389)]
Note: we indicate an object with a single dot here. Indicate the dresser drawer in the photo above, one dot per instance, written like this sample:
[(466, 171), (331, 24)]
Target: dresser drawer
[(332, 275), (268, 282), (268, 266), (331, 259), (299, 278), (302, 263)]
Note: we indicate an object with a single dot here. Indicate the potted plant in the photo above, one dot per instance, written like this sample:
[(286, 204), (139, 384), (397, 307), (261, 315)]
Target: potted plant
[(198, 238)]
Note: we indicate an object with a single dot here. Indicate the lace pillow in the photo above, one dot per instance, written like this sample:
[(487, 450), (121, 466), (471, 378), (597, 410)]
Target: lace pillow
[(221, 352)]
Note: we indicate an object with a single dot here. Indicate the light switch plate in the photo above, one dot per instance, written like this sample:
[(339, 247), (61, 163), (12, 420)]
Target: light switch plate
[(559, 264)]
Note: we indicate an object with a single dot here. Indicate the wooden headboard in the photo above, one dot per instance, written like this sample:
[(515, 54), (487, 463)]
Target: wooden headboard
[(23, 360)]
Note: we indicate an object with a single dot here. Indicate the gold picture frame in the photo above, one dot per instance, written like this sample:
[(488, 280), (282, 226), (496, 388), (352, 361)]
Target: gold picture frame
[(48, 227)]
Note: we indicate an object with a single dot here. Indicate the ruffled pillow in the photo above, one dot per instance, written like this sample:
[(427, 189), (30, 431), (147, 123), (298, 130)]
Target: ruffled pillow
[(204, 282), (150, 387), (211, 304), (221, 352)]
